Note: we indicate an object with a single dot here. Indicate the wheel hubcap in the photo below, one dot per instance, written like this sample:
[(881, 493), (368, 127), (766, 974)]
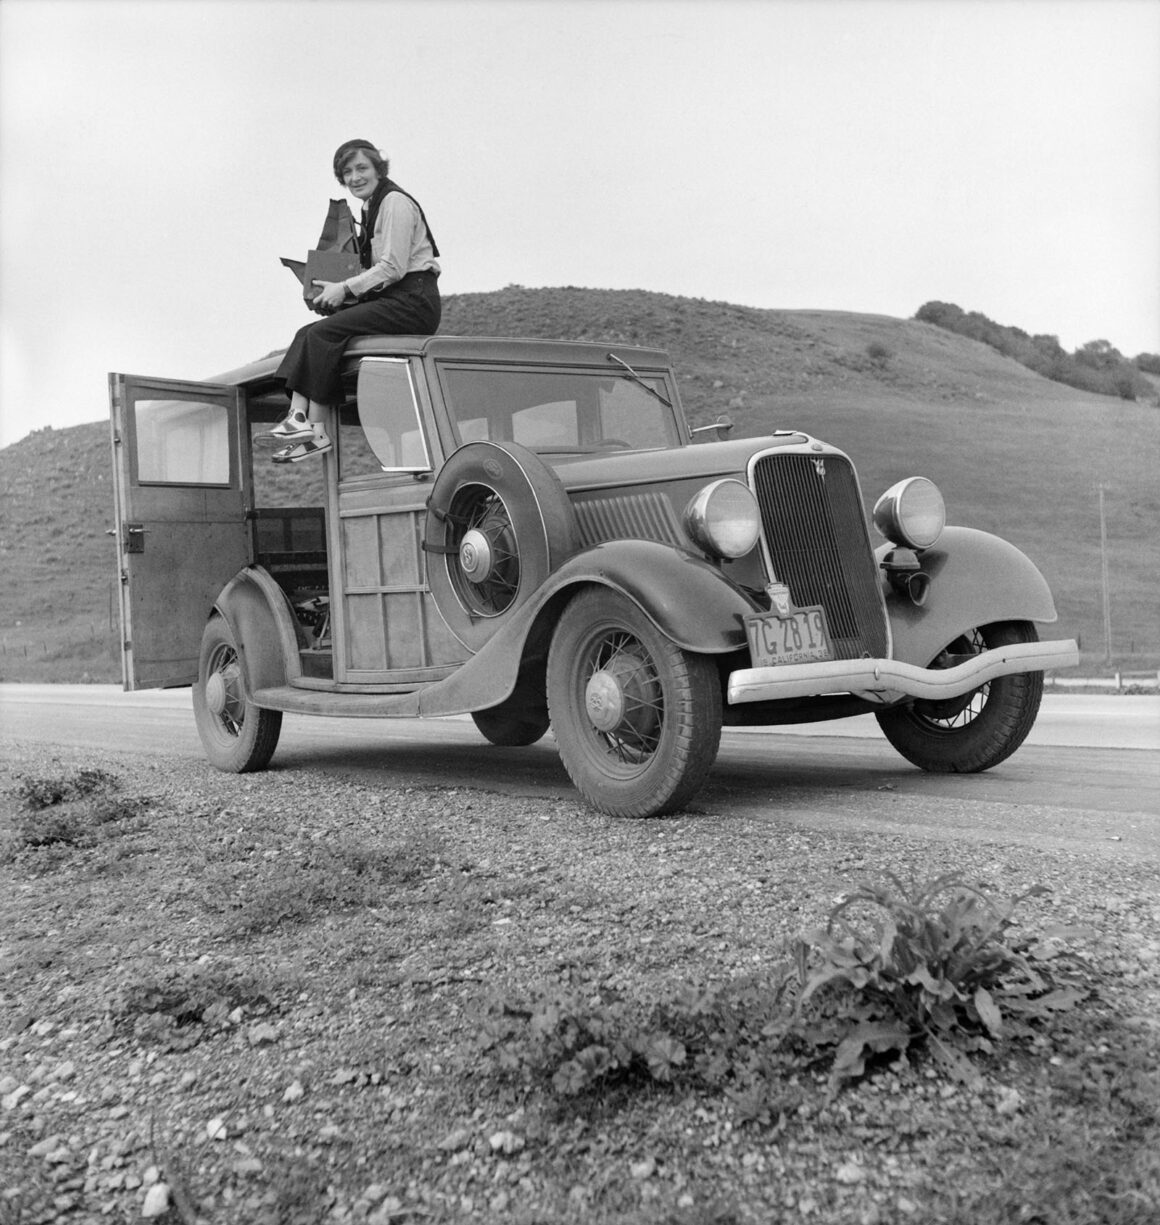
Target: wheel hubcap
[(216, 693), (604, 701)]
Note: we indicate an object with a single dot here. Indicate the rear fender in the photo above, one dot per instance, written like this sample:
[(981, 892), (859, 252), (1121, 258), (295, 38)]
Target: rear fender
[(263, 627), (975, 579)]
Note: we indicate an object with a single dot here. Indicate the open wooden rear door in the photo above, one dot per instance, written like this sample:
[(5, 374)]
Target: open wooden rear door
[(181, 497)]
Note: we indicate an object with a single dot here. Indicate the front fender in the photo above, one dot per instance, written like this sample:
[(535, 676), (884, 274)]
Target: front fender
[(685, 597), (976, 579), (263, 627)]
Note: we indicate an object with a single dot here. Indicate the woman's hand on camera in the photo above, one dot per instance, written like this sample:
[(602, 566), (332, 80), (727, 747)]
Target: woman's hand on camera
[(331, 295)]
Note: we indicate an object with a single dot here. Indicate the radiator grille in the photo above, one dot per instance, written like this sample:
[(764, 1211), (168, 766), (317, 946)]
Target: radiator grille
[(812, 520)]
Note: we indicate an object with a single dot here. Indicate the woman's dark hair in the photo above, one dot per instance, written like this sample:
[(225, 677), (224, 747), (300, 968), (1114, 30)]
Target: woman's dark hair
[(346, 151)]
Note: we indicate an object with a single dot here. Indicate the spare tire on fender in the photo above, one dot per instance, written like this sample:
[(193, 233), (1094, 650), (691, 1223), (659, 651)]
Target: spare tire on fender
[(498, 523)]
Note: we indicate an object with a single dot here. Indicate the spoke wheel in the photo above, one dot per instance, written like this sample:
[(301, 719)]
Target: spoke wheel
[(976, 730), (498, 523), (481, 538), (237, 736), (637, 719)]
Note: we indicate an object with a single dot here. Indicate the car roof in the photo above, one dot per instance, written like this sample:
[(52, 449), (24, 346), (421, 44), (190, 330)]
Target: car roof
[(461, 348)]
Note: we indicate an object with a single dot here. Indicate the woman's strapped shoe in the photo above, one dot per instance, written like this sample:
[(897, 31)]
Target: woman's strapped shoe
[(293, 427), (303, 450)]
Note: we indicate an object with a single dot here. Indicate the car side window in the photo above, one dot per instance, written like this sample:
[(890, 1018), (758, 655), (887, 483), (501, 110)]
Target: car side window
[(389, 416), (182, 442)]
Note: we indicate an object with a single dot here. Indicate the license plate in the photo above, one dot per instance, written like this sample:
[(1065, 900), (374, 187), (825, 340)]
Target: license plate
[(802, 637)]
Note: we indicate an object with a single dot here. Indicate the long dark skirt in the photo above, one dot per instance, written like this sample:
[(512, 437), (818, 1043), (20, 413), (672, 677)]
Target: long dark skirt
[(410, 307)]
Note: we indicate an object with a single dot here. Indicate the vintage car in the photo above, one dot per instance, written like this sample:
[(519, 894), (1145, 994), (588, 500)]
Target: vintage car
[(528, 532)]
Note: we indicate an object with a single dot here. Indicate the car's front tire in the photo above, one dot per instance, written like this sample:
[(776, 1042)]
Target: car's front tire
[(637, 719), (238, 736), (976, 730)]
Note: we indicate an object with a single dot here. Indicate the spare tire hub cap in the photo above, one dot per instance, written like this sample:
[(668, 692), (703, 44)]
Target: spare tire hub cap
[(475, 555)]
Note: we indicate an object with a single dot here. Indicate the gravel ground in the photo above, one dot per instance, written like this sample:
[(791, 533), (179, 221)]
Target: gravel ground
[(263, 999)]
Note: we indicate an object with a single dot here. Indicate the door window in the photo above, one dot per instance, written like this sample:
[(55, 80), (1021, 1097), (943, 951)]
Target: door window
[(182, 442)]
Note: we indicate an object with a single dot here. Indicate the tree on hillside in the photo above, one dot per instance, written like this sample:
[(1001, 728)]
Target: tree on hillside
[(1097, 366)]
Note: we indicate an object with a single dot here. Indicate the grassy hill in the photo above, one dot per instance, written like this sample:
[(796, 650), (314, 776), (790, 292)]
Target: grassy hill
[(1014, 454)]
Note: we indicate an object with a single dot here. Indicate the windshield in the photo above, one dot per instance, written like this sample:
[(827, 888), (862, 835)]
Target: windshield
[(559, 411)]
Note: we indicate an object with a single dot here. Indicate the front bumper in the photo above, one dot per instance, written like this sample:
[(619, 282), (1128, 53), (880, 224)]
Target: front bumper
[(885, 682)]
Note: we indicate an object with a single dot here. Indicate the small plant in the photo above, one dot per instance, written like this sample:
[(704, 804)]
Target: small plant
[(58, 811), (879, 353), (325, 879), (585, 1038), (932, 964), (47, 790), (175, 1007), (896, 968)]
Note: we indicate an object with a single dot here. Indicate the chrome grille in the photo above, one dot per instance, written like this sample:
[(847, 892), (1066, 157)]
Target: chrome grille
[(811, 516)]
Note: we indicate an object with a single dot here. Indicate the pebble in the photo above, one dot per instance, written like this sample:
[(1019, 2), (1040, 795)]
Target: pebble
[(263, 1034), (505, 1142), (156, 1200), (11, 1100)]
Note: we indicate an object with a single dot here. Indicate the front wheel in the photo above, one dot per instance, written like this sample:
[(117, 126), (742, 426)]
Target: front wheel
[(977, 730), (637, 719), (238, 736)]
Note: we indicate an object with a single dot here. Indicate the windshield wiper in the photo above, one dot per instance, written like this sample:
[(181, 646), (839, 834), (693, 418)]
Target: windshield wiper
[(632, 374)]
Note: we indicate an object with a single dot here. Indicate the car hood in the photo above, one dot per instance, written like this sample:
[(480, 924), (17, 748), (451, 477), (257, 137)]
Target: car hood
[(706, 460)]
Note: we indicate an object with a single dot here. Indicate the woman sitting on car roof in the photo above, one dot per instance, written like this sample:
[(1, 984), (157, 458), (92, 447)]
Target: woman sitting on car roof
[(397, 293)]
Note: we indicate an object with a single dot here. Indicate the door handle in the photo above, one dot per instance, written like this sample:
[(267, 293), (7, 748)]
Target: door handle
[(134, 541)]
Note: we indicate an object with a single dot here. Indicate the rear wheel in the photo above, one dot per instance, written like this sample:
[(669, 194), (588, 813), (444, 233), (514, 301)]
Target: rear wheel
[(977, 730), (509, 730), (637, 719), (238, 736)]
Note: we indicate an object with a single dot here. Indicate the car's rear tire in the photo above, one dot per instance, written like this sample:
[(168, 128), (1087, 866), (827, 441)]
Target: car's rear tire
[(237, 736), (637, 719), (976, 730), (511, 731)]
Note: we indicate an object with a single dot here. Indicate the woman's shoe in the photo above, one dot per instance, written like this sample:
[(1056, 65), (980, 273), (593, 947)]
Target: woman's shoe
[(294, 426), (303, 450)]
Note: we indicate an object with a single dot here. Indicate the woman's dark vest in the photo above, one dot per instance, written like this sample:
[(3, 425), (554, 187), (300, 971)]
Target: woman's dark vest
[(371, 211)]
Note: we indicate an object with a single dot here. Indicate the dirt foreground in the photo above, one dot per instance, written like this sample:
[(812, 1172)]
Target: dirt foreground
[(286, 998)]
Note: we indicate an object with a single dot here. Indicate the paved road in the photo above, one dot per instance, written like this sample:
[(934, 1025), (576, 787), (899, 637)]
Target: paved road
[(1089, 774)]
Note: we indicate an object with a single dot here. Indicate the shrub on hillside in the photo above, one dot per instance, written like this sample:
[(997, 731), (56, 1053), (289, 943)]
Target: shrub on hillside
[(1097, 366)]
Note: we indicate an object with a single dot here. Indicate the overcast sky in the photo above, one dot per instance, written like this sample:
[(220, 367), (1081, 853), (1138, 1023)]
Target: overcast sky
[(156, 159)]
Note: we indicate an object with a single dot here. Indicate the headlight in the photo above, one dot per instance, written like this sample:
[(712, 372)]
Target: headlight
[(911, 513), (722, 518)]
